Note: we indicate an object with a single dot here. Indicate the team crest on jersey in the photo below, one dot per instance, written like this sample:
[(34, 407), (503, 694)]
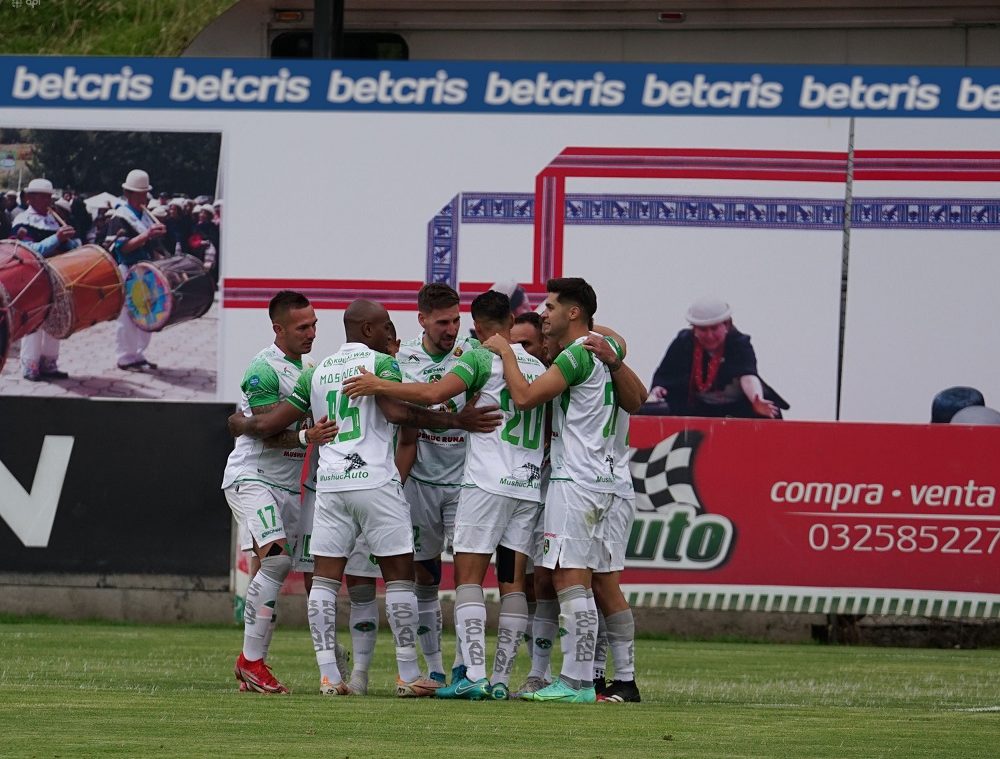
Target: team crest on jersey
[(254, 381), (458, 352)]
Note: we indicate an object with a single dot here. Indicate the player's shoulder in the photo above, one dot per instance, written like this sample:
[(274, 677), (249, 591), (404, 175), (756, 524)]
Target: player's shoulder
[(523, 357)]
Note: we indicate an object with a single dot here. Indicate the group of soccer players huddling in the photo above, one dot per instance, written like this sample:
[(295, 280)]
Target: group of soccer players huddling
[(512, 444)]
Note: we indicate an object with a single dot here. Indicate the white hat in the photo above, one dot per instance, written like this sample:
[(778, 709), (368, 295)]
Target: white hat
[(159, 212), (64, 205), (40, 186), (705, 312), (976, 415), (137, 181)]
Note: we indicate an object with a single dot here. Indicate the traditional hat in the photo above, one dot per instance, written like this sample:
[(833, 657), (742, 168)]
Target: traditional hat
[(40, 186), (976, 415), (137, 181), (706, 312)]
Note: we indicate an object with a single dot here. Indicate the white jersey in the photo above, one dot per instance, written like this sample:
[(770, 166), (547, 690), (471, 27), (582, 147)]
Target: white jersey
[(440, 453), (584, 421), (623, 475), (508, 460), (270, 378), (361, 456)]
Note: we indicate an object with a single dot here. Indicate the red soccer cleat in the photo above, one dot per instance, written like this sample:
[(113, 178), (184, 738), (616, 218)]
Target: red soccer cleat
[(257, 676)]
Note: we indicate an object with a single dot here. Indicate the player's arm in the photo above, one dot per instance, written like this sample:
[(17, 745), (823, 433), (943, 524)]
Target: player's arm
[(630, 389), (406, 451), (484, 419), (269, 421), (526, 395), (422, 393)]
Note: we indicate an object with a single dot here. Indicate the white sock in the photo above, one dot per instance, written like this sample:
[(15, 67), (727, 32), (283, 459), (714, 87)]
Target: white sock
[(544, 632), (270, 633), (323, 626), (470, 626), (262, 595), (401, 611), (621, 638), (364, 625), (429, 629), (529, 642), (513, 623), (581, 632), (600, 648)]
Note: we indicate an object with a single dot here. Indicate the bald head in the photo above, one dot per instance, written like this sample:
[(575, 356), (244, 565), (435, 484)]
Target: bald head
[(368, 322)]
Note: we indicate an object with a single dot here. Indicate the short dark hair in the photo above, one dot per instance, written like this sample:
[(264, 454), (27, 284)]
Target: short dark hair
[(575, 291), (529, 317), (392, 329), (284, 301), (434, 296), (491, 306)]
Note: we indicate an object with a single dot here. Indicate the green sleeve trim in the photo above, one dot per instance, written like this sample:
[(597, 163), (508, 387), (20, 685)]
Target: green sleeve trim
[(387, 368), (260, 384), (300, 397), (576, 363), (614, 344)]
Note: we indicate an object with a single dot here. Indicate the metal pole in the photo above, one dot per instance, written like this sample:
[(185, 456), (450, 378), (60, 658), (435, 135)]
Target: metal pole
[(328, 29)]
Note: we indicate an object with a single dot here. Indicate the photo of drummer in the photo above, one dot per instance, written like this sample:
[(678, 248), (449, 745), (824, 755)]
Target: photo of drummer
[(47, 234), (134, 236), (117, 238)]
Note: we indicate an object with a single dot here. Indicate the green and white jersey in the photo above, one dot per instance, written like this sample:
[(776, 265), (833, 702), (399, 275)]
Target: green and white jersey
[(440, 453), (361, 456), (508, 460), (270, 378), (584, 421), (622, 453)]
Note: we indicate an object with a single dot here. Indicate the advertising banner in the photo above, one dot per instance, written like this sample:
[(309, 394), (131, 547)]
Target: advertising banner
[(829, 518), (113, 488)]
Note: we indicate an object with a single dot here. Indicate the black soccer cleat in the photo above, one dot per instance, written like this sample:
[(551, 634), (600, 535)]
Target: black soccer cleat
[(621, 692)]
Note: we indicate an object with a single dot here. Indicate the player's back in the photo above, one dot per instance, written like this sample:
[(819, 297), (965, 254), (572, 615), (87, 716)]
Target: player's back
[(361, 455), (508, 460)]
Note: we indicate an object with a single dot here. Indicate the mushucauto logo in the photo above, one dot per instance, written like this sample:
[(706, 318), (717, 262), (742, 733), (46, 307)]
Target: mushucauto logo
[(672, 529)]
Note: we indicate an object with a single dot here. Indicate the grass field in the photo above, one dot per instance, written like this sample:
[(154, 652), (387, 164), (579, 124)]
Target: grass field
[(104, 27), (69, 690)]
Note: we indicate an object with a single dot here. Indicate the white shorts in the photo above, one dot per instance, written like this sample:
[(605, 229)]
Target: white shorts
[(264, 513), (614, 535), (380, 514), (485, 520), (432, 512), (573, 517), (537, 541), (362, 562)]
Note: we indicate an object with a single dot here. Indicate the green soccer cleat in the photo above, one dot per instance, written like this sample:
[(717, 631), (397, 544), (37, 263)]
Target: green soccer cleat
[(467, 689), (562, 693), (458, 673), (500, 692)]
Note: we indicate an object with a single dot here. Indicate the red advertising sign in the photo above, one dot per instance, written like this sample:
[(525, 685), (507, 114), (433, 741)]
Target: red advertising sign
[(821, 517)]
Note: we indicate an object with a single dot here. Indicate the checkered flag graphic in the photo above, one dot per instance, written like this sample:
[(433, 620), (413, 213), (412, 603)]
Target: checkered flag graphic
[(664, 475)]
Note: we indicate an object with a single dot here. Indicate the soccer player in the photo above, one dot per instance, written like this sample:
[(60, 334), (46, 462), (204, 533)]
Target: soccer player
[(358, 490), (261, 481), (615, 622), (583, 474), (498, 504), (435, 479)]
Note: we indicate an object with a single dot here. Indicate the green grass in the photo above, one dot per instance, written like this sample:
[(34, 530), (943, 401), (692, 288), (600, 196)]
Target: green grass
[(69, 690), (105, 27)]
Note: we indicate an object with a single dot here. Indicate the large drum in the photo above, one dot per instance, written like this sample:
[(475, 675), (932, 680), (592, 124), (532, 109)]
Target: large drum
[(25, 293), (160, 294), (87, 288)]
